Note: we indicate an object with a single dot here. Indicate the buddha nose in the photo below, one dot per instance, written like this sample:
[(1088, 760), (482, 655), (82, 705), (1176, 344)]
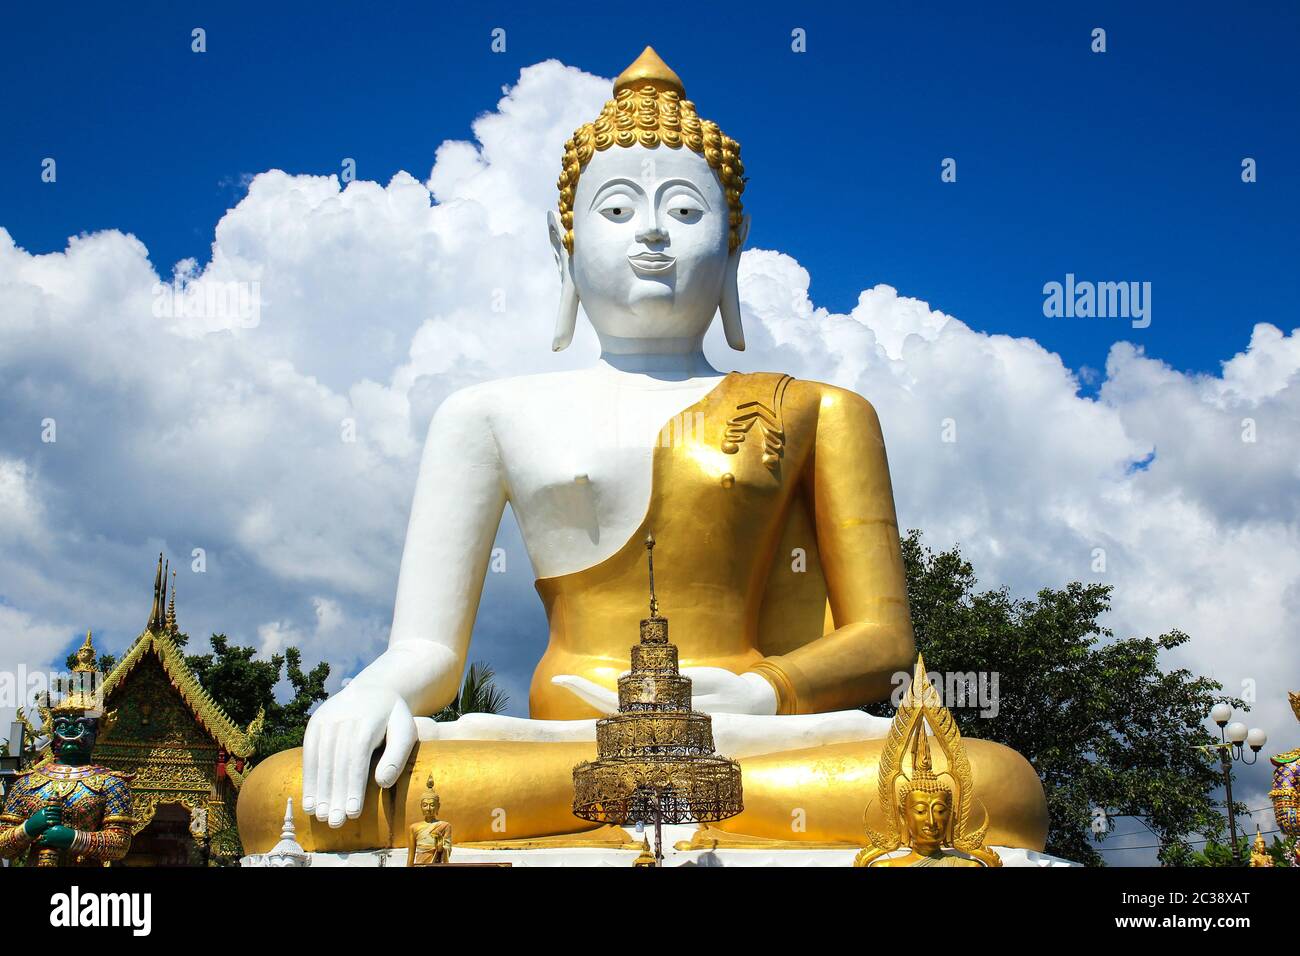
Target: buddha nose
[(653, 233)]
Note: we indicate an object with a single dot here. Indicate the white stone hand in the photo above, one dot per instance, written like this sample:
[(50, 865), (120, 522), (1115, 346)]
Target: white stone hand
[(341, 737), (715, 691), (604, 700)]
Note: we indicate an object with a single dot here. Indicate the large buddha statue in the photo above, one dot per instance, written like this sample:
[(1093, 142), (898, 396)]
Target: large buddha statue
[(769, 497)]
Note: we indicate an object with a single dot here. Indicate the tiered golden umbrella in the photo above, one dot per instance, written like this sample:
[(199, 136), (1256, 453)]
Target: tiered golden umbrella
[(656, 763)]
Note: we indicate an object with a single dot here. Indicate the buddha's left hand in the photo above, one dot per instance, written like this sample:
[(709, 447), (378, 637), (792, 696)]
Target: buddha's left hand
[(58, 837), (715, 690)]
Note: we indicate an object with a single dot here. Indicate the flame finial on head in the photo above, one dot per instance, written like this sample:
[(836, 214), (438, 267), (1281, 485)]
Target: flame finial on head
[(923, 778), (649, 69)]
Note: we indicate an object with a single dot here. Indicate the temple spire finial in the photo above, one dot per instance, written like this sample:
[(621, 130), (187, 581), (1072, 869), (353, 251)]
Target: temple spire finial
[(160, 622), (155, 613), (288, 830), (650, 557), (85, 656), (171, 608)]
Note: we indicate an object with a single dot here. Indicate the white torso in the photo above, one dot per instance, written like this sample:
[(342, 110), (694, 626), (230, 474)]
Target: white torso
[(577, 452)]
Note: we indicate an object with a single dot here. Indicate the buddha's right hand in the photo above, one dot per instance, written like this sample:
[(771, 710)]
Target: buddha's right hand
[(341, 736)]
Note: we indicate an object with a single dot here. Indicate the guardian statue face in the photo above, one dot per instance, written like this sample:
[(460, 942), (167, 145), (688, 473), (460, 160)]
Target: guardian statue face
[(74, 736)]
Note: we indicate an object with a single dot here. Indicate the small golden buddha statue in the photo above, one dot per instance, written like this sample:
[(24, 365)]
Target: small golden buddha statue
[(430, 842), (1259, 855), (923, 808), (647, 855)]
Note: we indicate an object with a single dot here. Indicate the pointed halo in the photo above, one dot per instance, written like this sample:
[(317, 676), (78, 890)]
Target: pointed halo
[(919, 679)]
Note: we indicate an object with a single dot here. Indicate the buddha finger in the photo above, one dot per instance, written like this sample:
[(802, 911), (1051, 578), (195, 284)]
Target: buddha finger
[(325, 758), (400, 737), (351, 756), (355, 782), (310, 761)]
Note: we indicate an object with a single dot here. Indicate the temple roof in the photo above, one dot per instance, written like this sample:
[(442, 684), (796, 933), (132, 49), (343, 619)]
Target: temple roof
[(157, 640), (236, 742)]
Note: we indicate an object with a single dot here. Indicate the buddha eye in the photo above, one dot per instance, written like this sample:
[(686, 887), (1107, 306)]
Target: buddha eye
[(617, 208), (685, 211)]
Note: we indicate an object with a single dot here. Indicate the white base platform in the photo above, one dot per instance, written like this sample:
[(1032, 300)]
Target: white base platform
[(1011, 856)]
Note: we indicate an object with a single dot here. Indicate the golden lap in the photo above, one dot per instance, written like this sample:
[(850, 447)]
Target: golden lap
[(505, 790)]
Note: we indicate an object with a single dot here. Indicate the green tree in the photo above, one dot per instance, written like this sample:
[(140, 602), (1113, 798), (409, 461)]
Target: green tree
[(1109, 732), (1215, 853), (478, 695), (1282, 851), (243, 685)]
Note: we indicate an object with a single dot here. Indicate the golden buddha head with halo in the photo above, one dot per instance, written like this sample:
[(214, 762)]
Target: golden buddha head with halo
[(925, 811), (925, 803)]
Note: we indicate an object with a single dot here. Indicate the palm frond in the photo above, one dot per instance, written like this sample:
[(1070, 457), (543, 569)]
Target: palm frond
[(478, 694)]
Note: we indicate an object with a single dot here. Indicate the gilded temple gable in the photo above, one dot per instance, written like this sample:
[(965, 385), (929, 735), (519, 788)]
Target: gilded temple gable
[(160, 648)]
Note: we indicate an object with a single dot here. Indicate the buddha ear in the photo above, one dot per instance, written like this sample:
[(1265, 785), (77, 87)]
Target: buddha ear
[(566, 318), (730, 304)]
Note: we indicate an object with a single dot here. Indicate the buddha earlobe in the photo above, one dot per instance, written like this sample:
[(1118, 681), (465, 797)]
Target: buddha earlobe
[(566, 317), (730, 304)]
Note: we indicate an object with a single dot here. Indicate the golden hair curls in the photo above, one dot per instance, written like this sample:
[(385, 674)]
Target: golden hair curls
[(652, 116)]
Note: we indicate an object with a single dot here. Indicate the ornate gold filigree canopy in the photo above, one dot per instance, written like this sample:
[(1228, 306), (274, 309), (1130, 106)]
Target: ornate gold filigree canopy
[(656, 760)]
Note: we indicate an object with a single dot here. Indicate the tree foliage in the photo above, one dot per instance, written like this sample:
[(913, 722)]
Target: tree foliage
[(1108, 730), (243, 686), (1214, 853), (478, 695)]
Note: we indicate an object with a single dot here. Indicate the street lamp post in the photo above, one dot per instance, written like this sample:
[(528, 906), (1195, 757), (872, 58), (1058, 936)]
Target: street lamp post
[(1232, 736)]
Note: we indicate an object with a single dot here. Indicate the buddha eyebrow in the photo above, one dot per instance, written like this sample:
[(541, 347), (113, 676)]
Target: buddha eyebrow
[(685, 184), (605, 187)]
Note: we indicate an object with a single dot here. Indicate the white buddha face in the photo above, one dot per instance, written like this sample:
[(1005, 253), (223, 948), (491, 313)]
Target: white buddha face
[(650, 231)]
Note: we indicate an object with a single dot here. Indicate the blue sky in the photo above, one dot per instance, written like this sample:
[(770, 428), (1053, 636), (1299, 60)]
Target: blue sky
[(1122, 166)]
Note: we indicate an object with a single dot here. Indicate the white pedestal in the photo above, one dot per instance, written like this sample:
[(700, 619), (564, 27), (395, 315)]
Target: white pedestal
[(1011, 856)]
